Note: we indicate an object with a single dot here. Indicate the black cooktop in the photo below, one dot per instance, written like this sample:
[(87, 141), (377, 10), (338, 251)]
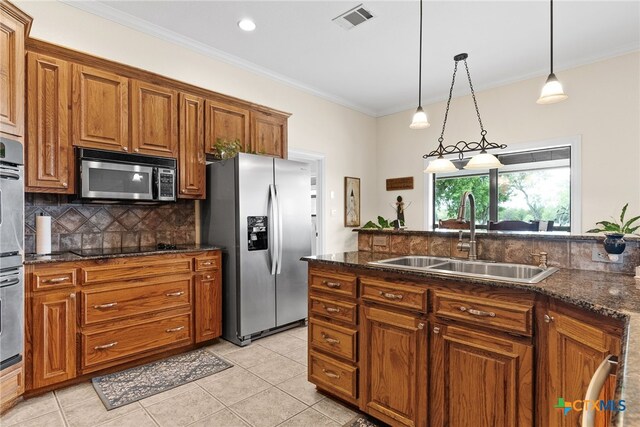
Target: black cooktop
[(119, 251)]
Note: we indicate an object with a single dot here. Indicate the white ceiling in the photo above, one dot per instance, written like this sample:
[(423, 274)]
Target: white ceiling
[(374, 67)]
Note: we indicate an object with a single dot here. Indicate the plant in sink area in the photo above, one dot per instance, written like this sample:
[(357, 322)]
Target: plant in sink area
[(614, 242), (383, 224)]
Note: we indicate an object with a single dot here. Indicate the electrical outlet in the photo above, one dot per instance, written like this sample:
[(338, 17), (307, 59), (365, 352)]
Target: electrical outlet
[(599, 255)]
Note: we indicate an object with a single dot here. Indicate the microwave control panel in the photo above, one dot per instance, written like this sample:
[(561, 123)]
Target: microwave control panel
[(166, 184)]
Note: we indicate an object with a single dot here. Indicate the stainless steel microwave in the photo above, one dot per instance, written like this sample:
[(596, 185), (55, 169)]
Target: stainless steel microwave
[(107, 175)]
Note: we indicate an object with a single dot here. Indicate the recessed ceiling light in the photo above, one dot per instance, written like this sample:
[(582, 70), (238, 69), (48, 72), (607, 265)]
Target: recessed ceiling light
[(247, 24)]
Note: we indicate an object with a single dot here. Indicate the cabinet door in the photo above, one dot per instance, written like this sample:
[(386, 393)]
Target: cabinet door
[(192, 168), (575, 350), (479, 379), (269, 134), (49, 153), (54, 338), (100, 110), (208, 307), (227, 122), (393, 350), (154, 118), (11, 75)]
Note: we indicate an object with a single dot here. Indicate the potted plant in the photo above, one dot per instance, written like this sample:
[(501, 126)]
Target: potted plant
[(383, 224), (614, 242), (226, 149)]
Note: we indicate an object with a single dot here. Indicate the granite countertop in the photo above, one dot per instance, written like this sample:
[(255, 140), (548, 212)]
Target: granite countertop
[(611, 294), (115, 253)]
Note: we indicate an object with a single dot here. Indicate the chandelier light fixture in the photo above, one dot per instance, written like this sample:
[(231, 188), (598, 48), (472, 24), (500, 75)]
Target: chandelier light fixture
[(420, 120), (552, 91), (483, 160)]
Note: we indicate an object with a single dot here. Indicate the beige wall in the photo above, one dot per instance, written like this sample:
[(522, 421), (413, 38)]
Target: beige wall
[(346, 137), (603, 108)]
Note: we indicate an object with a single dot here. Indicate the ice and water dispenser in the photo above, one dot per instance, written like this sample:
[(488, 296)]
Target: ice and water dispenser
[(257, 233)]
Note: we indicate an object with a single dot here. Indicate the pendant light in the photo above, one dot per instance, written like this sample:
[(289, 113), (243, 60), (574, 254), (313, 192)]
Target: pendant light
[(552, 91), (483, 160), (420, 120)]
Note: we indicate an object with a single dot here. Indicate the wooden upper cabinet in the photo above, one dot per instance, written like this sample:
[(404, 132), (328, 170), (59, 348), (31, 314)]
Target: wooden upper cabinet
[(154, 118), (479, 379), (575, 348), (100, 110), (54, 338), (49, 152), (393, 350), (226, 121), (269, 134), (192, 170), (13, 28)]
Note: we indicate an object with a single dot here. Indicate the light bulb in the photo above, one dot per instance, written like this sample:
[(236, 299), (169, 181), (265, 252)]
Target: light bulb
[(484, 160), (420, 120), (247, 24), (440, 165), (552, 91)]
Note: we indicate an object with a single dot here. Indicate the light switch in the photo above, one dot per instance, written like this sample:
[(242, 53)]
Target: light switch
[(334, 212), (332, 194)]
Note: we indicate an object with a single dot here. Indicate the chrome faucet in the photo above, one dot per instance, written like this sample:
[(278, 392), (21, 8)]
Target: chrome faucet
[(471, 245)]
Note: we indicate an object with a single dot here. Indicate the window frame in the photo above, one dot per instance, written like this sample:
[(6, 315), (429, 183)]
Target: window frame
[(574, 142)]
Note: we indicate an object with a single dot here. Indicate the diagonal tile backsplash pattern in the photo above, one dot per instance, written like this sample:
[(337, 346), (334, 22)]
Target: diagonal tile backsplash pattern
[(89, 226)]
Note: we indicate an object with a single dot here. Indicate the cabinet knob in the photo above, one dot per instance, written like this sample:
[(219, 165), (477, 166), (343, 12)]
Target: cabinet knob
[(72, 296), (65, 185), (136, 150), (548, 319), (125, 148), (436, 330), (208, 276)]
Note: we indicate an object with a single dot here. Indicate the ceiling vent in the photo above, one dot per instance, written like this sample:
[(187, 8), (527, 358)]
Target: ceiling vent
[(353, 17)]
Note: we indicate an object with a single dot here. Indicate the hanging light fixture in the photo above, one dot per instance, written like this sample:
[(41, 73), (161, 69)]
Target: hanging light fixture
[(420, 120), (483, 160), (552, 91)]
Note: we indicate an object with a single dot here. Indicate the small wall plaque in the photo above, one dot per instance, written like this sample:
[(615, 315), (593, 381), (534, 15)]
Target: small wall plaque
[(404, 183)]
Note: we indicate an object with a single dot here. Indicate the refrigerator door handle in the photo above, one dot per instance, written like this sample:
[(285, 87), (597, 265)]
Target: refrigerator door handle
[(280, 243), (595, 387), (273, 225)]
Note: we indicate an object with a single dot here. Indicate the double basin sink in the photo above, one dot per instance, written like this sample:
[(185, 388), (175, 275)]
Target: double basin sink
[(520, 273)]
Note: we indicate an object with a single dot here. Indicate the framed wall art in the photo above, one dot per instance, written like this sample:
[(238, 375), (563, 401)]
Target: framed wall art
[(351, 202)]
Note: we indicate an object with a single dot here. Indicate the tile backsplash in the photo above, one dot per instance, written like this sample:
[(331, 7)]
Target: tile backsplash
[(75, 225)]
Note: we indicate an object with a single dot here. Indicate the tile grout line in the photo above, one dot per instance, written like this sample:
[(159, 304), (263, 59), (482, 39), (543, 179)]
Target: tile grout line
[(60, 410)]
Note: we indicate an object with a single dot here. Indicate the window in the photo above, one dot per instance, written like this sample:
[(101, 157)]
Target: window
[(534, 185)]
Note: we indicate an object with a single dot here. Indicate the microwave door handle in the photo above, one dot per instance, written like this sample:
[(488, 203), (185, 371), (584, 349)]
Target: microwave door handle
[(272, 224), (595, 387)]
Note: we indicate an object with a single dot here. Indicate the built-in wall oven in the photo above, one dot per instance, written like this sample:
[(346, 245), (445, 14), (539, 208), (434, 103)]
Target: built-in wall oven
[(11, 252), (106, 175)]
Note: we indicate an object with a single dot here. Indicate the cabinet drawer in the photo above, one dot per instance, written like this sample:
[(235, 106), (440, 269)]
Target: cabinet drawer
[(106, 346), (334, 339), (397, 295), (333, 376), (137, 268), (208, 262), (154, 295), (334, 283), (338, 310), (54, 278), (506, 316)]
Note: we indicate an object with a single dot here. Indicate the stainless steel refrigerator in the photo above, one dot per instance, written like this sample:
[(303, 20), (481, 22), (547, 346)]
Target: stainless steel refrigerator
[(258, 209)]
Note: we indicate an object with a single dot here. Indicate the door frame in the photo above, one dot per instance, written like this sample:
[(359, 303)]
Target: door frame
[(313, 156)]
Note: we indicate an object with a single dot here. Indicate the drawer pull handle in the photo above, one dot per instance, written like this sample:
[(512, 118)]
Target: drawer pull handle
[(109, 305), (436, 330), (207, 263), (420, 325), (332, 285), (331, 374), (179, 328), (56, 279), (175, 294), (103, 347), (332, 309), (479, 313), (330, 340), (389, 295)]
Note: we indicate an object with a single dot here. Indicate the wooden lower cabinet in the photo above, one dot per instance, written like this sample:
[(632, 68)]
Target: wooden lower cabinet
[(11, 386), (479, 379), (54, 338), (575, 348), (393, 381), (208, 305)]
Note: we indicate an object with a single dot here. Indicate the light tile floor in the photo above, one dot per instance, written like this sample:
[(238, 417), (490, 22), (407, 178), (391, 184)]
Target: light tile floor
[(266, 387)]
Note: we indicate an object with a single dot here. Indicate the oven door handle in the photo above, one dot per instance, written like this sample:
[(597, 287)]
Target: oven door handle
[(9, 175), (9, 282)]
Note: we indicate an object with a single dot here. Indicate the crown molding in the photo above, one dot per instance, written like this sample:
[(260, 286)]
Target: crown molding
[(107, 12)]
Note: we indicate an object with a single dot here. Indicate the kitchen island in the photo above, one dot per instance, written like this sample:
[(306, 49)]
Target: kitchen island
[(401, 344)]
